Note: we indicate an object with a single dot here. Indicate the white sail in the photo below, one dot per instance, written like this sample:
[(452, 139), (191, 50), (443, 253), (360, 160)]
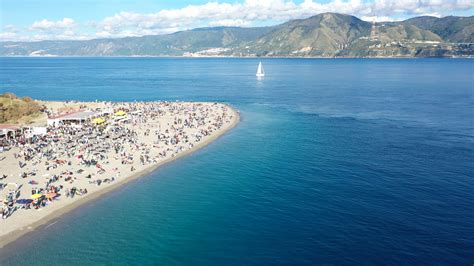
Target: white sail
[(260, 71)]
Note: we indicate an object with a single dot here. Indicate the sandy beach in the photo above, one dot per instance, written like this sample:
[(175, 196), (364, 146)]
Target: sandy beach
[(46, 176)]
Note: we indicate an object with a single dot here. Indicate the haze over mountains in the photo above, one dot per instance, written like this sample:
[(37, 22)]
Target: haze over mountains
[(323, 35)]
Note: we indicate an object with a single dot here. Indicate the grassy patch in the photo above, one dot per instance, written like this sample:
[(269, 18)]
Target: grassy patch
[(14, 109)]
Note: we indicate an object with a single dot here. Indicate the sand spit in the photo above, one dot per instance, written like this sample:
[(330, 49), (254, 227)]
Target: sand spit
[(74, 164)]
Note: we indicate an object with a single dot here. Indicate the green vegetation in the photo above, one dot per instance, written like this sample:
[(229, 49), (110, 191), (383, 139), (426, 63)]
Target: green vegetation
[(323, 35), (15, 110), (451, 29)]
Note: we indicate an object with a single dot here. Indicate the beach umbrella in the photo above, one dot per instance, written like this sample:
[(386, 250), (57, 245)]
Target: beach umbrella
[(120, 113), (98, 121), (36, 196)]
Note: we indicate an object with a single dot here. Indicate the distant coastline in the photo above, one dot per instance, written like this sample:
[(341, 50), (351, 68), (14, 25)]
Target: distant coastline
[(240, 57), (325, 35)]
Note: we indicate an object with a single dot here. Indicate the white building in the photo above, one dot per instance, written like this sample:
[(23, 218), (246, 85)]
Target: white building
[(78, 117)]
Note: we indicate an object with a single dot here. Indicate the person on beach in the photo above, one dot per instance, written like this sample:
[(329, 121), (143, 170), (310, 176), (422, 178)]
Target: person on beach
[(73, 159)]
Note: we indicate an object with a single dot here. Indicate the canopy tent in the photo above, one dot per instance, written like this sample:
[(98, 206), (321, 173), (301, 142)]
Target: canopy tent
[(5, 130), (98, 121), (120, 113), (77, 117), (36, 196)]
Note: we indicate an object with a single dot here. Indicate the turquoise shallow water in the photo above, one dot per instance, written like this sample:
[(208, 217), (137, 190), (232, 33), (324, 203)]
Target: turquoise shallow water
[(334, 162)]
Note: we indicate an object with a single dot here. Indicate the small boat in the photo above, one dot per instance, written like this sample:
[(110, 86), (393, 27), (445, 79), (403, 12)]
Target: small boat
[(260, 71)]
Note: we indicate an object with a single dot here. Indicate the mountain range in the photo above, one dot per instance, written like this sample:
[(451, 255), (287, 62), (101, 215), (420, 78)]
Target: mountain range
[(322, 35)]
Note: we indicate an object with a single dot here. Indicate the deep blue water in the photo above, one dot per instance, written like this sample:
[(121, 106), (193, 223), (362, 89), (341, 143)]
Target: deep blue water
[(335, 161)]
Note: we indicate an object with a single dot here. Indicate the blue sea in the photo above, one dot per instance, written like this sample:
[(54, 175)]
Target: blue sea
[(335, 162)]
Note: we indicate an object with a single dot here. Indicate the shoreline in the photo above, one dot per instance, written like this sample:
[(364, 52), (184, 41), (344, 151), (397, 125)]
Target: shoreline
[(10, 237), (243, 57)]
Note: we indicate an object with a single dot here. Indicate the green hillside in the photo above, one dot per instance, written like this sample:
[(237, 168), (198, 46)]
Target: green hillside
[(323, 35), (450, 29)]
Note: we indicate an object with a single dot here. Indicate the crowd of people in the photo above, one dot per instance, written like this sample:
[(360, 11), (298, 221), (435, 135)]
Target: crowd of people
[(71, 160)]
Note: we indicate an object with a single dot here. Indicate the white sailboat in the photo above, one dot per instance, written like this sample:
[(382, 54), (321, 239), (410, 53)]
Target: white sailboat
[(260, 71)]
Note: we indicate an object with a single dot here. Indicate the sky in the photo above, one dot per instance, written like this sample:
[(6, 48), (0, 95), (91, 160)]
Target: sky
[(34, 20)]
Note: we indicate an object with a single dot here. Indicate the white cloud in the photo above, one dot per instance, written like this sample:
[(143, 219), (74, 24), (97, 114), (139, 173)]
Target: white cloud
[(250, 11), (47, 25), (377, 19), (10, 28), (8, 36), (239, 13), (216, 14), (411, 7), (434, 14), (229, 23), (10, 33), (65, 29)]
